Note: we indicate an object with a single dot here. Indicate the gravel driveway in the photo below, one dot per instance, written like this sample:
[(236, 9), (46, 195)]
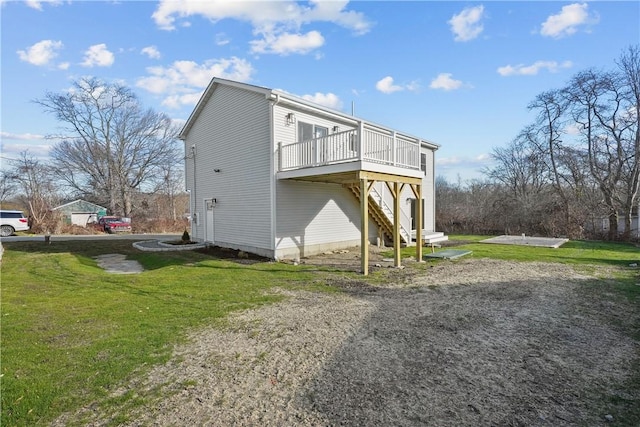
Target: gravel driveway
[(466, 343)]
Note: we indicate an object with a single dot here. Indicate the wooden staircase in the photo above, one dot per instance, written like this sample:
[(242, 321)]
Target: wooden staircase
[(384, 220)]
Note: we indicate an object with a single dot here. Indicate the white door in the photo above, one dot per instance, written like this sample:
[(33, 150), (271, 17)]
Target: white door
[(209, 223)]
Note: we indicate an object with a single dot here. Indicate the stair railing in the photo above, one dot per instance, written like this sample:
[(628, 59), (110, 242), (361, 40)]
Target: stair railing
[(388, 211)]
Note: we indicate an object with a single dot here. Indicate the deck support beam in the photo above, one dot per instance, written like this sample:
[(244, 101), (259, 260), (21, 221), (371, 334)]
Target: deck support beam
[(417, 192), (364, 225), (395, 188), (396, 223)]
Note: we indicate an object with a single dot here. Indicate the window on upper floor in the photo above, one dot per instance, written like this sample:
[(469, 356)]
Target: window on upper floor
[(307, 131)]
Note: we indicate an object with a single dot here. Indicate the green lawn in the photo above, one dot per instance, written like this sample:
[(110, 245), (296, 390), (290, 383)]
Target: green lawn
[(72, 333), (572, 252), (589, 256)]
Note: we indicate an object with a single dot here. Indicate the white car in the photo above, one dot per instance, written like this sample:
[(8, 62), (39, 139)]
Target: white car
[(12, 221)]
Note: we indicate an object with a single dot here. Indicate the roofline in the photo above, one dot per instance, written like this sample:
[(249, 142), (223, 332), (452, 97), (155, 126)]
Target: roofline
[(281, 96), (75, 201)]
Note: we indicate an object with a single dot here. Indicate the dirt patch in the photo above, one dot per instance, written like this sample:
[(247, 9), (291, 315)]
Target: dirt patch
[(471, 342)]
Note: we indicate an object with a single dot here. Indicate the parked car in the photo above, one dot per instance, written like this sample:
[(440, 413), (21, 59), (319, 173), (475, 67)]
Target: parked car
[(12, 221), (114, 224)]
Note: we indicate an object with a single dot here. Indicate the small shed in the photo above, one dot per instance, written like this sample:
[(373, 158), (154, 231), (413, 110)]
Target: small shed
[(80, 212)]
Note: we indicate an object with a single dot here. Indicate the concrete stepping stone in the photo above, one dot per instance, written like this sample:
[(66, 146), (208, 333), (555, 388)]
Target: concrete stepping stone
[(118, 264)]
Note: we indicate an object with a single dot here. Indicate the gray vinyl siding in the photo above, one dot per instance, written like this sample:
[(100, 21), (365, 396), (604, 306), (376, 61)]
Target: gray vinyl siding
[(232, 135), (312, 216)]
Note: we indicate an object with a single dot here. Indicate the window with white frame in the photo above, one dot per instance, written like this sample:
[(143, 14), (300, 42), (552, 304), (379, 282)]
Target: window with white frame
[(307, 131)]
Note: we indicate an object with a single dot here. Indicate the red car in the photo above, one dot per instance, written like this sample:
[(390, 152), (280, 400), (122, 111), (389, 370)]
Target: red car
[(114, 224)]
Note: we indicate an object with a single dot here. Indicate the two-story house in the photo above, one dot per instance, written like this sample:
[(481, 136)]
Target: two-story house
[(276, 175)]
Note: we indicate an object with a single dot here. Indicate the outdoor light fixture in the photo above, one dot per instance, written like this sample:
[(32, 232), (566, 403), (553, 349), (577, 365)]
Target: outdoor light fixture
[(336, 129), (291, 118), (216, 170)]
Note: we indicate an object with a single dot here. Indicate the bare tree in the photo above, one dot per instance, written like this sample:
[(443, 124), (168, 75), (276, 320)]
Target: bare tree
[(520, 166), (170, 184), (38, 189), (524, 186), (629, 134), (605, 106), (549, 128), (7, 186), (111, 146)]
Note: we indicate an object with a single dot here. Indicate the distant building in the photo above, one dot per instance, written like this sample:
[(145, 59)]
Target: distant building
[(80, 212), (601, 224)]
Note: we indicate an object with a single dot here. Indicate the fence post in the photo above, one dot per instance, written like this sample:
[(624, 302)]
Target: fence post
[(394, 144), (360, 140), (279, 156)]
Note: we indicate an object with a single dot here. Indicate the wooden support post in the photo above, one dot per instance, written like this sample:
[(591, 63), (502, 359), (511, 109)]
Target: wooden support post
[(396, 223), (417, 191), (364, 226)]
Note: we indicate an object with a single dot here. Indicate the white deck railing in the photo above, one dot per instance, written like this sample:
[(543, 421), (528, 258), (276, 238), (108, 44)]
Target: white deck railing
[(348, 146)]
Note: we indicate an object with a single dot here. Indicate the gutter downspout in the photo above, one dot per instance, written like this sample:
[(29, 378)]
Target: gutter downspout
[(274, 158), (186, 183), (195, 218)]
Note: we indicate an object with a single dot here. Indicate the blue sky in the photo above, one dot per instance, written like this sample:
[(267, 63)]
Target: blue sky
[(457, 73)]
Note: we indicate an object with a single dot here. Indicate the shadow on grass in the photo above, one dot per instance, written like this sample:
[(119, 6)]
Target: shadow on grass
[(230, 259)]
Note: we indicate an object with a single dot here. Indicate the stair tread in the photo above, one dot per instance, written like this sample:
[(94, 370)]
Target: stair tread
[(435, 239), (380, 215)]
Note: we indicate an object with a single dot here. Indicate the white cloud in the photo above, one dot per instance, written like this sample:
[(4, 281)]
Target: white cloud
[(445, 81), (478, 161), (37, 4), (222, 39), (41, 53), (386, 85), (327, 99), (533, 69), (13, 151), (151, 51), (98, 55), (177, 101), (183, 82), (269, 14), (277, 23), (20, 136), (36, 145), (466, 25), (468, 165), (573, 129), (567, 21), (285, 44)]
